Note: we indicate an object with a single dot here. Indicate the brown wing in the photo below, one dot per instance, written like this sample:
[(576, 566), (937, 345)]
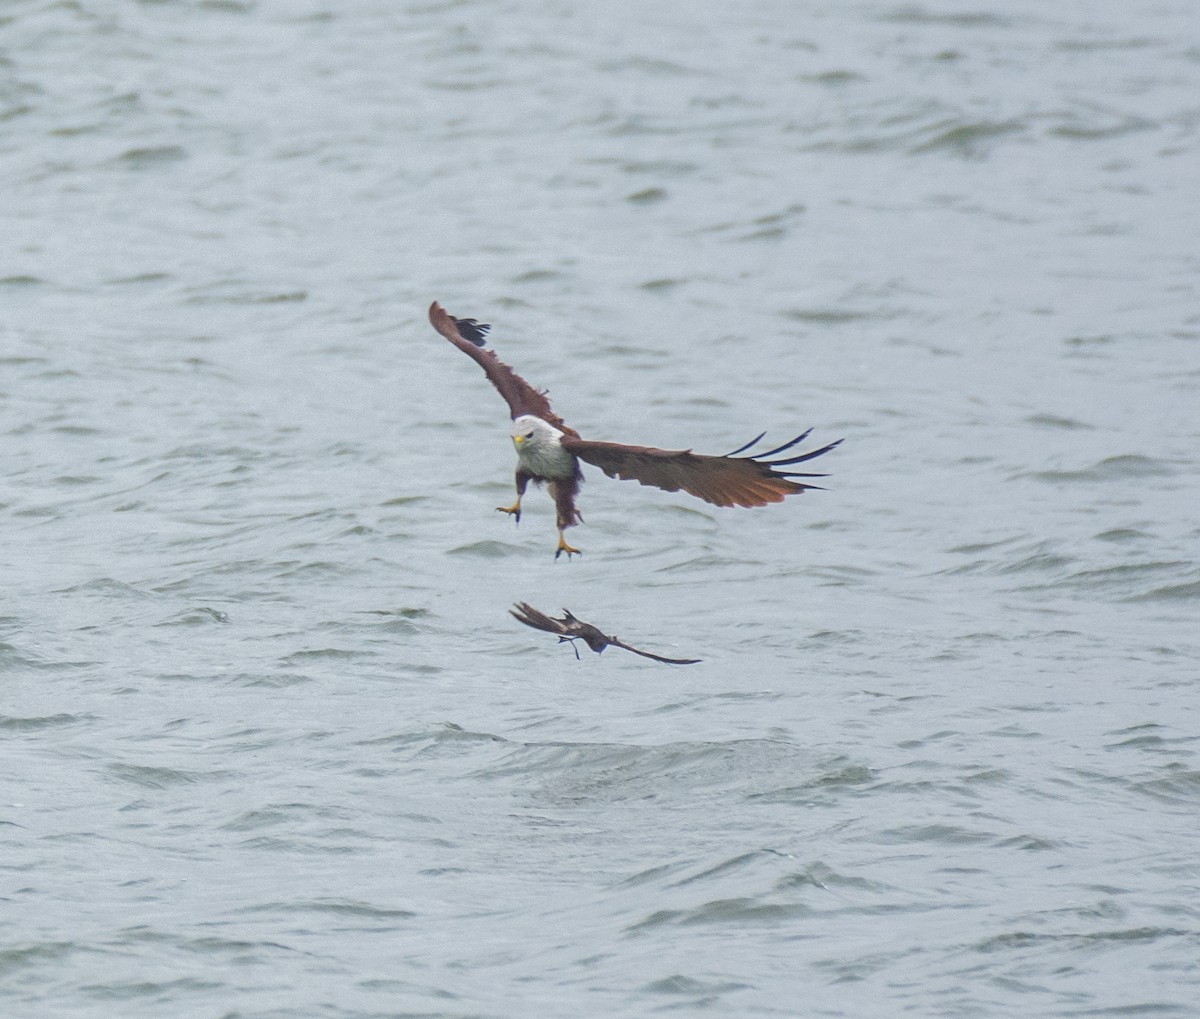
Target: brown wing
[(527, 614), (728, 480), (520, 396), (658, 658)]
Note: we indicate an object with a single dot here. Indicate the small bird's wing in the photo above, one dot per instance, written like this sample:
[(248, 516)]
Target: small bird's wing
[(527, 614), (468, 336), (658, 658), (728, 480)]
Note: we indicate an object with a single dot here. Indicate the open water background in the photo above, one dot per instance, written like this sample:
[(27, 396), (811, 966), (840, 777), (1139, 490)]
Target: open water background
[(272, 746)]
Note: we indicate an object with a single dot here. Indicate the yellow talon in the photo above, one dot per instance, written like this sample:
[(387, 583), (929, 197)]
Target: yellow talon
[(564, 547), (514, 509)]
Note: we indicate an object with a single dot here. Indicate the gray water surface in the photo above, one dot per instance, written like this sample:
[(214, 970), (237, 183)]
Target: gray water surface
[(272, 745)]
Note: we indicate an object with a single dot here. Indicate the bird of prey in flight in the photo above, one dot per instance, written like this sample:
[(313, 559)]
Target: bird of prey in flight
[(548, 450), (570, 629)]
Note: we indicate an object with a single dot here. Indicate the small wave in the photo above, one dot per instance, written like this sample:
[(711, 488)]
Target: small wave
[(654, 67), (14, 959), (915, 127), (1117, 581), (396, 621), (465, 84), (446, 739), (1055, 421), (846, 775), (1176, 783), (1149, 737), (334, 907), (270, 817), (14, 659), (486, 549), (153, 777), (248, 296), (740, 912), (1027, 843), (660, 167), (9, 723), (150, 156), (647, 196), (939, 834), (1185, 592), (831, 316), (1114, 468), (538, 276), (161, 992), (1023, 559), (107, 587), (834, 78), (966, 139), (1029, 939), (911, 14), (276, 679), (1089, 341), (1098, 126), (326, 654), (678, 984), (1038, 562), (572, 773), (229, 6), (662, 285), (140, 278), (824, 877), (1135, 42), (1121, 535), (708, 562), (200, 616), (735, 864)]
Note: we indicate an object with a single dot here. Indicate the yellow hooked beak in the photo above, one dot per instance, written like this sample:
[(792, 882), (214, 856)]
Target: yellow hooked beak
[(518, 439)]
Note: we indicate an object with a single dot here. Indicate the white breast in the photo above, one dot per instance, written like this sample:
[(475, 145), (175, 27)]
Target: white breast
[(546, 459)]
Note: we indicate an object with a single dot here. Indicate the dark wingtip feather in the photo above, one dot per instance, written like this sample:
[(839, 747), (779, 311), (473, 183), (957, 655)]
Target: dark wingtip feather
[(765, 457), (803, 456), (469, 329), (753, 442), (787, 445)]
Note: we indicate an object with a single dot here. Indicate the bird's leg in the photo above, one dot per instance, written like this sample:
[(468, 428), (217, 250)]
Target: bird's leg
[(522, 480), (564, 547), (563, 493), (514, 509), (571, 641)]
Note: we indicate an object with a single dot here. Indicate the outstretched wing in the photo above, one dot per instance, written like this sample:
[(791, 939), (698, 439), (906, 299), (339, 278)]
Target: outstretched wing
[(658, 658), (468, 336), (728, 480), (527, 614)]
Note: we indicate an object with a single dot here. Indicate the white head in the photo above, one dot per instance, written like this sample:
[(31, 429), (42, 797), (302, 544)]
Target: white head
[(532, 433), (538, 448)]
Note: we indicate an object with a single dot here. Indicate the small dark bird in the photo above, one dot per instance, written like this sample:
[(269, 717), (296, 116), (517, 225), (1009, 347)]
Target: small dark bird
[(570, 629)]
